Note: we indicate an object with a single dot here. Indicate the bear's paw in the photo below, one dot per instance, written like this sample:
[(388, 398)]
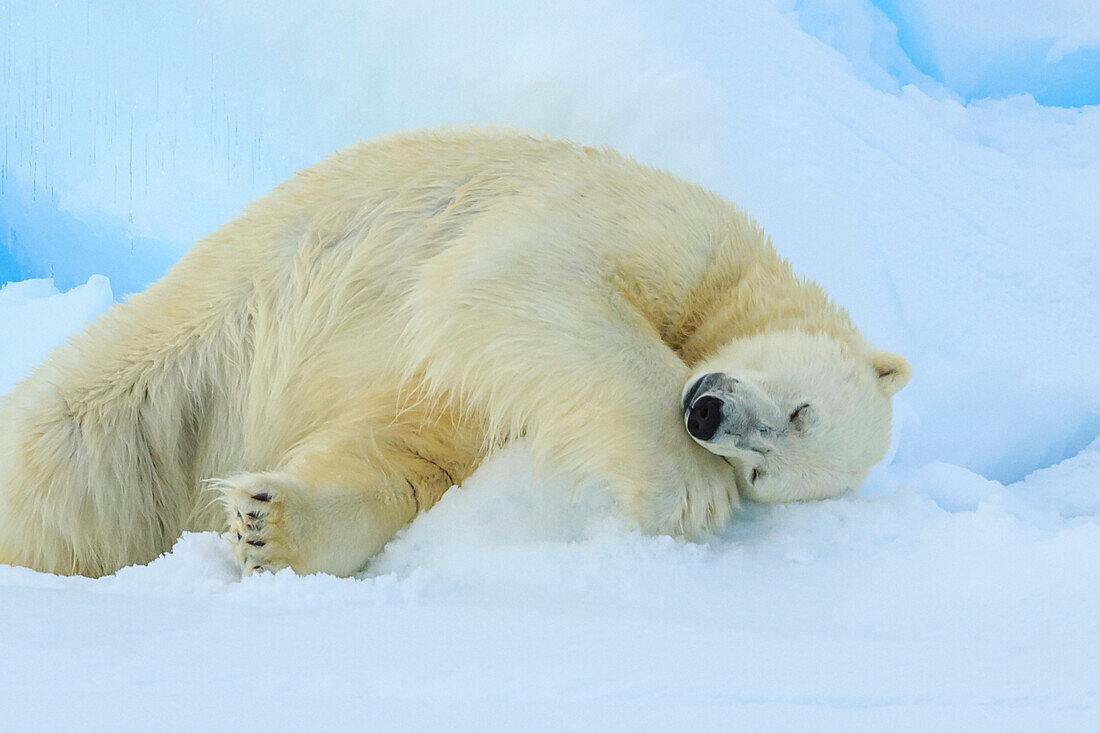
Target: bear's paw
[(255, 509)]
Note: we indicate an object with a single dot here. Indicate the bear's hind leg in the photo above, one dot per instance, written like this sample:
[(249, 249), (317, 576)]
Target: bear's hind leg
[(329, 507), (277, 521)]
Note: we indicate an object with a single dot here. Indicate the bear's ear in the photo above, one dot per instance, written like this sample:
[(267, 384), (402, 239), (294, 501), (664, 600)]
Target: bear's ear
[(893, 372)]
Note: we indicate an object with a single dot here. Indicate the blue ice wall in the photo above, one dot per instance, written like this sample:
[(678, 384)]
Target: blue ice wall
[(38, 239), (1000, 69)]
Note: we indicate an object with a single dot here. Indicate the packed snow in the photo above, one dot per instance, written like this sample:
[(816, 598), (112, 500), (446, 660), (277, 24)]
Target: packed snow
[(957, 590)]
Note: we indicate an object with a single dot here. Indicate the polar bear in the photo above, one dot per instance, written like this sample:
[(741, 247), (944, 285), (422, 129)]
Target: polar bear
[(326, 365)]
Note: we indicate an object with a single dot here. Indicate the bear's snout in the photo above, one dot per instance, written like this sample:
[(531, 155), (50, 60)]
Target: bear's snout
[(703, 417), (704, 403)]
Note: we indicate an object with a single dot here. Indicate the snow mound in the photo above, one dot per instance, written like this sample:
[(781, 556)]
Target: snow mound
[(35, 319)]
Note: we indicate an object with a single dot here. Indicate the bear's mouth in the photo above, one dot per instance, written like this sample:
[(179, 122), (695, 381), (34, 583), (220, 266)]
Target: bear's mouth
[(708, 423), (745, 477)]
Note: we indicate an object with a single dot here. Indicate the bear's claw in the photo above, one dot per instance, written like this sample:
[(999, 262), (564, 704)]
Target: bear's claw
[(254, 521)]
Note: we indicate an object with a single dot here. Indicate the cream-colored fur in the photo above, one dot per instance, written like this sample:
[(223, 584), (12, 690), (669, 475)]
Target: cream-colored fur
[(329, 363)]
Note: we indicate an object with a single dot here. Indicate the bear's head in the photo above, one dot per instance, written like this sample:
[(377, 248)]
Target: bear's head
[(801, 416)]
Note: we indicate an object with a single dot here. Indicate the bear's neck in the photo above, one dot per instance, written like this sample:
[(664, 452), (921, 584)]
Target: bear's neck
[(745, 299)]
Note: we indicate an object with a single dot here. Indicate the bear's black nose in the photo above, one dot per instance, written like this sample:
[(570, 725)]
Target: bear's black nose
[(704, 417)]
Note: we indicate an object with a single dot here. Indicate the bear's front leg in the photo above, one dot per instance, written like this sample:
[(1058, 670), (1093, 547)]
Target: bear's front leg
[(561, 356), (666, 485)]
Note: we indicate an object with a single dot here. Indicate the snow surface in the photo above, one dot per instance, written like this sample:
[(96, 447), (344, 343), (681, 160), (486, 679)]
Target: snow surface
[(958, 590), (519, 603)]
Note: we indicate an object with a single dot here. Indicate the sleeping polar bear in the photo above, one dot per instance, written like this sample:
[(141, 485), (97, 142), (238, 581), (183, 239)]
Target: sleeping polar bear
[(353, 345)]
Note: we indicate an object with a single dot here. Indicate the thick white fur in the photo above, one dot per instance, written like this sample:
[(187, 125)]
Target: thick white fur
[(329, 363)]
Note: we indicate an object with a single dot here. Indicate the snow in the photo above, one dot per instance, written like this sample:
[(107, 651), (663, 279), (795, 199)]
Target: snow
[(957, 590), (36, 319), (524, 599)]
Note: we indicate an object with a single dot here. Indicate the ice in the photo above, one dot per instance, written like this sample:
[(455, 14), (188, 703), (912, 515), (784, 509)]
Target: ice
[(40, 240), (976, 49), (956, 591), (991, 48)]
